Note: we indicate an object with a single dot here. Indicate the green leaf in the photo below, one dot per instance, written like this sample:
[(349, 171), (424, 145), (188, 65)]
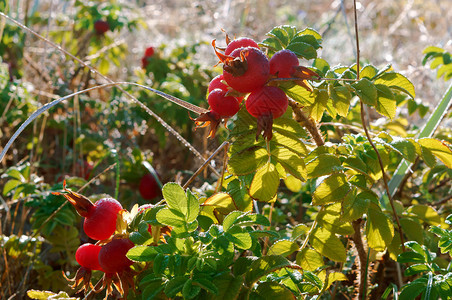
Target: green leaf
[(328, 244), (386, 103), (319, 106), (247, 161), (341, 99), (190, 291), (44, 295), (368, 71), (406, 147), (263, 266), (230, 219), (222, 202), (175, 286), (10, 185), (291, 162), (397, 81), (330, 219), (228, 287), (323, 164), (437, 148), (410, 257), (239, 237), (366, 91), (308, 39), (425, 213), (333, 189), (309, 259), (416, 269), (300, 94), (171, 217), (175, 196), (265, 183), (413, 289), (274, 291), (206, 284), (192, 207), (304, 50), (333, 277), (283, 248), (379, 229), (413, 229), (142, 253)]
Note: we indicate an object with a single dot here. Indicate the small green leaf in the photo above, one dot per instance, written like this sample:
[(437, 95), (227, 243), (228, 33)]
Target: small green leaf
[(206, 284), (171, 217), (323, 164), (425, 213), (437, 148), (309, 259), (274, 291), (379, 229), (283, 248), (142, 253), (247, 161), (341, 99), (413, 229), (175, 286), (397, 81), (10, 185), (304, 50), (265, 183), (410, 257), (263, 266), (386, 103), (239, 237), (228, 287), (406, 147), (301, 95), (192, 207), (416, 269), (190, 291), (319, 106), (333, 189), (366, 91), (328, 244), (175, 196), (413, 289), (291, 162)]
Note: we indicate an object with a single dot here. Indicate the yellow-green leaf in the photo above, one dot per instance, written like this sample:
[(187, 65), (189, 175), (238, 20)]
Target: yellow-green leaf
[(283, 247), (323, 164), (333, 189), (438, 149), (247, 161), (265, 183), (341, 99), (386, 103), (397, 81), (328, 244), (319, 106), (425, 213), (379, 229), (366, 91), (309, 259), (335, 276)]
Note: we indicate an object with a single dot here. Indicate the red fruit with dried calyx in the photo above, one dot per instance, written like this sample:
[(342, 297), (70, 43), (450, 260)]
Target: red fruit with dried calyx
[(224, 106), (283, 63), (218, 83), (245, 69), (112, 256), (239, 43), (149, 187), (266, 104), (87, 256), (100, 217)]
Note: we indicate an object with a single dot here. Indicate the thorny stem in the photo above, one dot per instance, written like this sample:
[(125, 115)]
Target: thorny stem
[(362, 256), (385, 180), (308, 123)]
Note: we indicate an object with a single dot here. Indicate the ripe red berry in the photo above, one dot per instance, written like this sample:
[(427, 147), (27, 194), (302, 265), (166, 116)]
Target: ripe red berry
[(283, 63), (87, 256), (225, 106), (100, 219), (149, 52), (239, 43), (112, 256), (101, 27), (149, 188), (247, 70), (216, 83), (267, 100)]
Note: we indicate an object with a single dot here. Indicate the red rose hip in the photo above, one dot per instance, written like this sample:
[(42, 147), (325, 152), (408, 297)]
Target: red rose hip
[(267, 100), (112, 256), (149, 188), (225, 106), (87, 256), (283, 63), (239, 43)]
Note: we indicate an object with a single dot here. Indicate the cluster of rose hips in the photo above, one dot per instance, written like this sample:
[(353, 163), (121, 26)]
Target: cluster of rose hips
[(109, 253), (247, 72)]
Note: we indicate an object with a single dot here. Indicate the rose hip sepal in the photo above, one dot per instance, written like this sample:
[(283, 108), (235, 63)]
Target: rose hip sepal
[(100, 217), (87, 255)]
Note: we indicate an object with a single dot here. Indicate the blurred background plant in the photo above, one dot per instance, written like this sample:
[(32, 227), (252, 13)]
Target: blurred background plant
[(101, 130)]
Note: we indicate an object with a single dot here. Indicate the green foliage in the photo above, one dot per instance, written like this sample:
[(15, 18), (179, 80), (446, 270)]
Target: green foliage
[(439, 59)]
